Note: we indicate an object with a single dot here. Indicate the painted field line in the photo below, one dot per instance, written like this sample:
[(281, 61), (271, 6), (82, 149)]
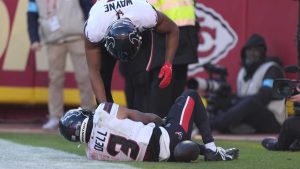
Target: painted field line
[(17, 156)]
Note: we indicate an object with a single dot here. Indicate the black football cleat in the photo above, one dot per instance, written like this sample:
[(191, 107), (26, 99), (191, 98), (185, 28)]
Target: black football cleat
[(221, 154), (270, 144), (295, 146)]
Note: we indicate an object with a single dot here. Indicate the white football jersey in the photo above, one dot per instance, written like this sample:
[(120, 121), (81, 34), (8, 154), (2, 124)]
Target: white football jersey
[(116, 139), (104, 12)]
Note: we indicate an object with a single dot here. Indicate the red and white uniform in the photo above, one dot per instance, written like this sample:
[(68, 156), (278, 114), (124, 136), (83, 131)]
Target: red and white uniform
[(105, 12), (117, 139)]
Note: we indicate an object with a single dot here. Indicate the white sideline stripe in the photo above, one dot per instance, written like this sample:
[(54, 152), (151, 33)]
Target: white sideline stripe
[(17, 156), (183, 111)]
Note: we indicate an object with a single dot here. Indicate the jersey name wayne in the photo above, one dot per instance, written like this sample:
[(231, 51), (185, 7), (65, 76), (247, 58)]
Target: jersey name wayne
[(99, 141), (114, 5)]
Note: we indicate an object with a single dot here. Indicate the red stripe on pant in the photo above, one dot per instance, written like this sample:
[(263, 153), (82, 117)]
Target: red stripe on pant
[(187, 113)]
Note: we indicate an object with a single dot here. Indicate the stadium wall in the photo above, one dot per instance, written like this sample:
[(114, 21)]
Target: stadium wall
[(226, 25)]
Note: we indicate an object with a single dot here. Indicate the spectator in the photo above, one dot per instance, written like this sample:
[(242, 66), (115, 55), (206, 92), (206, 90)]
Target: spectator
[(120, 30), (61, 24), (289, 136), (256, 108), (138, 135)]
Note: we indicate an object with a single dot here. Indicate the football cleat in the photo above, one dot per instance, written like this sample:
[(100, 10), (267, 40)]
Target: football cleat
[(270, 144), (221, 154)]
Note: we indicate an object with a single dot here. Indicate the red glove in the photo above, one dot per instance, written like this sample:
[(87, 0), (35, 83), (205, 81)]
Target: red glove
[(166, 72)]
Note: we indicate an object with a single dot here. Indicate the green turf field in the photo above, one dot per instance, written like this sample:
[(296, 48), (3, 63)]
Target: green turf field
[(252, 155)]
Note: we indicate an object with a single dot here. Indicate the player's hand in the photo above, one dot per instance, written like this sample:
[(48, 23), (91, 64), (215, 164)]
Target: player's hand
[(166, 74), (296, 98)]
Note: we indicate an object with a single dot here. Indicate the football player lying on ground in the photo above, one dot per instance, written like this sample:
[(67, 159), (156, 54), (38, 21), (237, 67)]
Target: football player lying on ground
[(114, 132)]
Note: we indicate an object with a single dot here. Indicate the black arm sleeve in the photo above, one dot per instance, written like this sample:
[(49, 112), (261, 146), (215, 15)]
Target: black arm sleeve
[(265, 94), (86, 5), (33, 26)]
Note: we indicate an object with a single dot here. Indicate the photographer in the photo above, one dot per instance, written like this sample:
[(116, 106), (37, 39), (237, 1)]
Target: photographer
[(256, 110), (289, 136)]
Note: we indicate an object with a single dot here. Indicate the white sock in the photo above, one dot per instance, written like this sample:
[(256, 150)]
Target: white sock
[(212, 146)]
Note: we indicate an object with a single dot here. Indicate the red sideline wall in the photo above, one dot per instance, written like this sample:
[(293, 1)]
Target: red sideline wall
[(226, 25), (23, 75), (276, 20)]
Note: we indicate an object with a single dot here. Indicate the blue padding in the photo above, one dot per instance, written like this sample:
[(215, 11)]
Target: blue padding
[(268, 83), (32, 7)]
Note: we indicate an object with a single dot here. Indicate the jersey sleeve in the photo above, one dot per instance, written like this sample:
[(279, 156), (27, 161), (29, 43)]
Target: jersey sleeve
[(105, 112), (152, 18), (147, 18)]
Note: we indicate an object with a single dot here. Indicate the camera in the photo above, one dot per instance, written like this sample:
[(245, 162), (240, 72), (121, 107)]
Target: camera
[(217, 78), (203, 84), (285, 88), (217, 89)]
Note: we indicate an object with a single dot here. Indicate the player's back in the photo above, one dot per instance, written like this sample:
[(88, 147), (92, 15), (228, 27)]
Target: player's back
[(104, 13), (117, 139)]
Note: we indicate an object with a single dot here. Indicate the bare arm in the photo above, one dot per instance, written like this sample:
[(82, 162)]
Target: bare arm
[(138, 116), (166, 25), (93, 55)]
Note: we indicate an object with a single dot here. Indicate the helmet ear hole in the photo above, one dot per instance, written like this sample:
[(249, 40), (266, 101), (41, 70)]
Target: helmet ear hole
[(123, 40)]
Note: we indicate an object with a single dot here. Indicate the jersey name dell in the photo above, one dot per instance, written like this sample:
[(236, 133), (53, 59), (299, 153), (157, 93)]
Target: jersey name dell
[(99, 142), (117, 4)]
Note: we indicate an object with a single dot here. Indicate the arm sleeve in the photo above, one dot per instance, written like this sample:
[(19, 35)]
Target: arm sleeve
[(86, 5), (265, 94), (32, 21)]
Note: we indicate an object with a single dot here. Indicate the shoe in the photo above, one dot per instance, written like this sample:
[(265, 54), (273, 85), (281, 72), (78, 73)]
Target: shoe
[(221, 154), (52, 124), (270, 144), (295, 146)]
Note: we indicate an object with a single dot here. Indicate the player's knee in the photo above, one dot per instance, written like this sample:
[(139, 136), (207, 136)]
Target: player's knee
[(192, 93)]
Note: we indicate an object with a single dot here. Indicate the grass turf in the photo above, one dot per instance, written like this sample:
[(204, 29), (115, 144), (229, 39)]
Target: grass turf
[(252, 155)]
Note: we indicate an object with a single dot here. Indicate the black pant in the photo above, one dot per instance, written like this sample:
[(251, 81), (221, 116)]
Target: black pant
[(187, 109), (250, 112), (136, 76), (289, 132), (160, 100), (136, 91)]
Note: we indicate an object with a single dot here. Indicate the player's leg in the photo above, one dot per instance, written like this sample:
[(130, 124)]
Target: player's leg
[(158, 106), (179, 121), (179, 126), (210, 151), (200, 118)]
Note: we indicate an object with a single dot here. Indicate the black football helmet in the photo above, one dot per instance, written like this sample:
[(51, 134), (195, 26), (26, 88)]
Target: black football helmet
[(73, 125), (123, 40)]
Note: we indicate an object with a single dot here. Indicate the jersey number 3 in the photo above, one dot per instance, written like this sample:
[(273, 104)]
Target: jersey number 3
[(125, 144)]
